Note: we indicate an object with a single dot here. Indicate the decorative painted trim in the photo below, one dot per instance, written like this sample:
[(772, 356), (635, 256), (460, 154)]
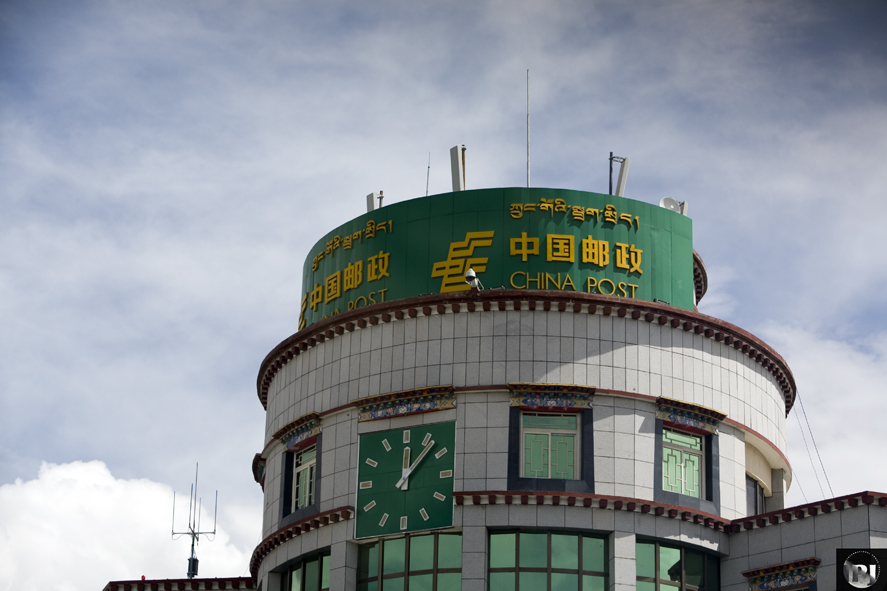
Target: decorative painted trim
[(506, 299), (798, 572), (294, 530), (405, 402), (689, 415), (259, 469), (551, 396), (299, 430)]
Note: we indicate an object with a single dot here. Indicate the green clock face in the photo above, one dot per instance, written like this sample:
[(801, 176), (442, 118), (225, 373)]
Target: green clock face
[(405, 480)]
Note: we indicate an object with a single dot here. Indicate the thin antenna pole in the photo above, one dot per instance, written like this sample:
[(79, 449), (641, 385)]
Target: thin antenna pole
[(428, 176), (611, 174), (528, 128)]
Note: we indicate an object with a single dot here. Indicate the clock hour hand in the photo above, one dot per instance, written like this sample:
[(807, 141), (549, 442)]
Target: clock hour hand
[(401, 484)]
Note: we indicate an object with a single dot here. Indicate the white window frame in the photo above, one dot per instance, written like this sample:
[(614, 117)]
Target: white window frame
[(700, 453), (298, 468), (577, 443)]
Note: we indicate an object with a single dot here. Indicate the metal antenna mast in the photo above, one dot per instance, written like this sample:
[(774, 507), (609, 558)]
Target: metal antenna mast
[(428, 176), (528, 128), (194, 506)]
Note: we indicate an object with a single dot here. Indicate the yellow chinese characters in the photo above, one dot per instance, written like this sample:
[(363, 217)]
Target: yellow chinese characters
[(629, 257), (524, 246), (459, 259), (338, 283), (377, 266), (561, 248), (596, 252)]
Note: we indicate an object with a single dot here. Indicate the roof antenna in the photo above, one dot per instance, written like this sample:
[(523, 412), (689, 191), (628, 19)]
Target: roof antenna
[(428, 177), (528, 128), (623, 174), (457, 166), (194, 506)]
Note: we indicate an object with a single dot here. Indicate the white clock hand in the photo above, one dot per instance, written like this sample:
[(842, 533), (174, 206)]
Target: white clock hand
[(402, 482), (405, 470)]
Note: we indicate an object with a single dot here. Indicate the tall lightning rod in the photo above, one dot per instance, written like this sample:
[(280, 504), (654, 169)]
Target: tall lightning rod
[(194, 506), (528, 128)]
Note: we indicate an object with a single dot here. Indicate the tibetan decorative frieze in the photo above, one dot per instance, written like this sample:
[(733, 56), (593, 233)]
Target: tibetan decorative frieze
[(299, 430), (551, 396), (692, 416), (780, 576), (405, 402)]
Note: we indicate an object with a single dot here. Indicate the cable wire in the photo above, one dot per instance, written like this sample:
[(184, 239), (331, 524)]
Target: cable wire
[(809, 455), (824, 473)]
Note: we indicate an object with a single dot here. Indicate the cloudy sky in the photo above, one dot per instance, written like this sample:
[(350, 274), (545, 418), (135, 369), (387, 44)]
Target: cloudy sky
[(165, 167)]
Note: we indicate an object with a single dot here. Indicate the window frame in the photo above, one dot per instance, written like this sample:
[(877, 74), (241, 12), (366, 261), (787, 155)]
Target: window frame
[(755, 502), (300, 564), (710, 497), (682, 585), (686, 451), (577, 445), (289, 514), (549, 569), (380, 577), (584, 481), (311, 467)]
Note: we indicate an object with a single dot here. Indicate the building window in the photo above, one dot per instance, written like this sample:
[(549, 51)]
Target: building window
[(304, 468), (683, 463), (550, 450), (550, 445), (670, 568), (754, 496), (310, 574), (532, 560), (300, 485), (427, 562)]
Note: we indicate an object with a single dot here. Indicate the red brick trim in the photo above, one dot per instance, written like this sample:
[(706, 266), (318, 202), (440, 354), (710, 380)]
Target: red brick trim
[(168, 584), (293, 530)]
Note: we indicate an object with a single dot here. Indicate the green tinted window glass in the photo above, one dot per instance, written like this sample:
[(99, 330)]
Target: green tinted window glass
[(694, 568), (502, 581), (393, 556), (669, 563), (535, 455), (296, 581), (646, 559), (682, 439), (307, 455), (533, 551), (592, 583), (564, 582), (549, 421), (311, 572), (564, 551), (421, 582), (533, 580), (325, 573), (672, 470), (594, 554), (421, 553), (369, 561), (563, 451), (502, 550), (450, 582), (449, 551), (395, 584), (646, 586), (713, 575), (692, 472)]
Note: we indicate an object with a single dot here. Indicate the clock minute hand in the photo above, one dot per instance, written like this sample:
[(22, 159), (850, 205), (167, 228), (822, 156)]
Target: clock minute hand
[(415, 463)]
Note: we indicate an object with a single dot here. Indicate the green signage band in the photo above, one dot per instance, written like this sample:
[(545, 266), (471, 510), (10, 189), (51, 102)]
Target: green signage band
[(517, 238)]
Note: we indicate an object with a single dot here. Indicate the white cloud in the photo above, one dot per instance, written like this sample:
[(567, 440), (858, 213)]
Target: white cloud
[(76, 526), (842, 386)]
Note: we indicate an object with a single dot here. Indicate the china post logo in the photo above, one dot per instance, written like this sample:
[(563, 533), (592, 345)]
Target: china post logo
[(859, 569)]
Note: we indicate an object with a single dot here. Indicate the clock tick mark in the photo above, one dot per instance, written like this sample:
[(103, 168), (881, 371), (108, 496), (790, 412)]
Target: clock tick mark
[(403, 522), (406, 436), (424, 514), (439, 497), (372, 463), (446, 474), (427, 439), (369, 505), (366, 484), (383, 520), (386, 445), (440, 454)]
